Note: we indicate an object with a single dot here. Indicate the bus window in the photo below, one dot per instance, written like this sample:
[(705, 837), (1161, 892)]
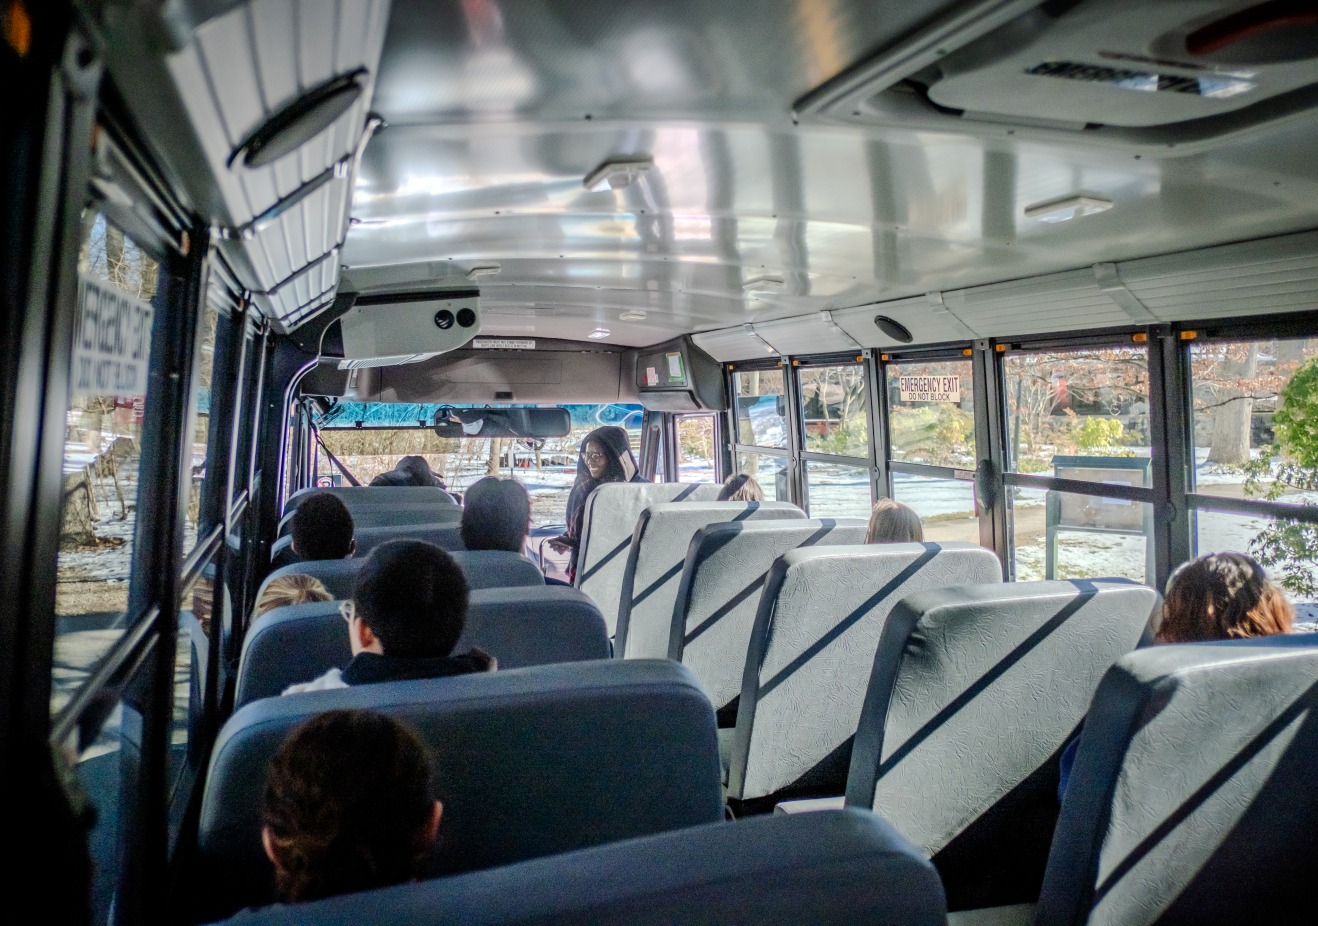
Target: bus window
[(835, 425), (1080, 415), (201, 428), (760, 411), (1254, 449), (931, 435), (101, 458), (695, 443)]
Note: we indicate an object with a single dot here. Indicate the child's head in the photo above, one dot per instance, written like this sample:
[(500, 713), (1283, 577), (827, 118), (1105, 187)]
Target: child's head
[(322, 528), (290, 590), (893, 522), (1222, 596), (496, 514), (411, 597), (741, 488), (348, 806)]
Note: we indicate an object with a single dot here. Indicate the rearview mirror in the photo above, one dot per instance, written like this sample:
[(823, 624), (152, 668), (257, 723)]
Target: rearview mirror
[(502, 422)]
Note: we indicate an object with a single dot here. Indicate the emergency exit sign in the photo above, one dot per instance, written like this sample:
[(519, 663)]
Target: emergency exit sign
[(929, 388)]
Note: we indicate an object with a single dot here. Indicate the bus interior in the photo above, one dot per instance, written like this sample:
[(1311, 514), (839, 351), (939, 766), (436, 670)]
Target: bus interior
[(1043, 271)]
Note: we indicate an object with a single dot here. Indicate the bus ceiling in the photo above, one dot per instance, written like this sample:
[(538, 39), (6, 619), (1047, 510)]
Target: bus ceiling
[(769, 183)]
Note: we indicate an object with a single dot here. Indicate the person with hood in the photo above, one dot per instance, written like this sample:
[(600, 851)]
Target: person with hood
[(412, 470), (606, 456)]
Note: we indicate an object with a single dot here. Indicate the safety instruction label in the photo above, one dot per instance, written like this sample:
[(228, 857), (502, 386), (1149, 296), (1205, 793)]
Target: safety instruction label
[(929, 388), (111, 350)]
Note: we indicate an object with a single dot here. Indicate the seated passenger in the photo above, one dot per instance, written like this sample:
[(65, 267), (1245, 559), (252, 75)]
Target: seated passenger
[(290, 590), (741, 488), (606, 456), (412, 470), (496, 515), (322, 529), (1220, 596), (347, 806), (408, 608), (893, 522)]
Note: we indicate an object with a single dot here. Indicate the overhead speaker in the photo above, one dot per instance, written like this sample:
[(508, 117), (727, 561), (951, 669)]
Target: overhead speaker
[(300, 121), (894, 329)]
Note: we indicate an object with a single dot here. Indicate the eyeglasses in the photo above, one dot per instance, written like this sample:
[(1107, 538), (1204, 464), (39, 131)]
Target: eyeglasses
[(347, 611), (595, 458)]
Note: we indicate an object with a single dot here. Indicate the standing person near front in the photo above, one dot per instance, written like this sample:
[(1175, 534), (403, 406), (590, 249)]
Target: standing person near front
[(606, 456)]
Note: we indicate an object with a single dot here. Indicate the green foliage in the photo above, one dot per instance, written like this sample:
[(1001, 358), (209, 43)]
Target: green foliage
[(1100, 436), (936, 433)]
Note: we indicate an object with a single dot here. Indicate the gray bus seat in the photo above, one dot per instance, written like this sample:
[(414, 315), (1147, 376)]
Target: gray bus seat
[(524, 626), (654, 566), (356, 497), (719, 593), (607, 526), (392, 515), (1191, 796), (483, 568), (529, 763), (975, 692), (837, 868), (810, 655), (444, 534)]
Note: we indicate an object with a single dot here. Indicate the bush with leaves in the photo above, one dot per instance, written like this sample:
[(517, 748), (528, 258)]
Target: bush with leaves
[(1291, 462)]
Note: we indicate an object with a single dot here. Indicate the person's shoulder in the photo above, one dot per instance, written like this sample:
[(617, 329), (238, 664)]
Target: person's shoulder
[(327, 682)]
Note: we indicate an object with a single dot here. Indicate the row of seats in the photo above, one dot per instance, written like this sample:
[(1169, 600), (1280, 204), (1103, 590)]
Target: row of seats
[(1187, 802), (483, 569)]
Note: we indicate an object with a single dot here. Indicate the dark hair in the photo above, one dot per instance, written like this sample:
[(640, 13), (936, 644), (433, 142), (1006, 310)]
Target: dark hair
[(413, 597), (741, 488), (1222, 596), (348, 803), (495, 515), (893, 522), (322, 528)]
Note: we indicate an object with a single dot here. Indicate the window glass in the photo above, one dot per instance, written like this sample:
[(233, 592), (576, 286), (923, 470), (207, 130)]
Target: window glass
[(191, 665), (546, 467), (696, 445), (1090, 537), (769, 471), (101, 451), (761, 408), (946, 506), (931, 413), (837, 491), (1083, 403), (201, 396), (834, 399), (1285, 548)]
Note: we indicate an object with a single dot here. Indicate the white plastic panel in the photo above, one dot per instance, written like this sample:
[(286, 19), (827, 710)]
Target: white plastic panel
[(732, 344), (1057, 302), (805, 334), (928, 321)]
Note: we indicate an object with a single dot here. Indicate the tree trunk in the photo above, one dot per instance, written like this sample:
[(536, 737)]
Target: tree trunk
[(1231, 419)]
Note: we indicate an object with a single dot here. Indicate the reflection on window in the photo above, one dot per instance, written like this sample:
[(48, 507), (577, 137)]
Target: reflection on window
[(761, 408), (547, 467), (837, 491), (101, 461), (834, 404), (931, 413), (946, 506), (695, 444), (1284, 548), (769, 471), (1076, 403), (201, 431), (1060, 535)]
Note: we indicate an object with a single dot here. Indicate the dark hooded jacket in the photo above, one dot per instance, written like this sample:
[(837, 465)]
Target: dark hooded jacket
[(411, 471), (621, 467)]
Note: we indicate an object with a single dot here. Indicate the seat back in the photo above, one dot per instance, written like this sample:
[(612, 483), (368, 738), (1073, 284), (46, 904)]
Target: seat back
[(523, 626), (974, 693), (528, 763), (357, 497), (607, 525), (483, 569), (811, 651), (1190, 799), (654, 566), (444, 533), (392, 515), (719, 592), (834, 868)]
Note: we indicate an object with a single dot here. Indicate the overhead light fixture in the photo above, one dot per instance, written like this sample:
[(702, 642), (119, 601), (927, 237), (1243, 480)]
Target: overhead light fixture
[(762, 283), (616, 173), (1066, 208), (631, 315), (481, 271), (599, 333)]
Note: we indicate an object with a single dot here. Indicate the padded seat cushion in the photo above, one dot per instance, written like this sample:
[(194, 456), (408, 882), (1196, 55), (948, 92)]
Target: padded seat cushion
[(836, 868), (445, 534), (483, 569), (355, 497)]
